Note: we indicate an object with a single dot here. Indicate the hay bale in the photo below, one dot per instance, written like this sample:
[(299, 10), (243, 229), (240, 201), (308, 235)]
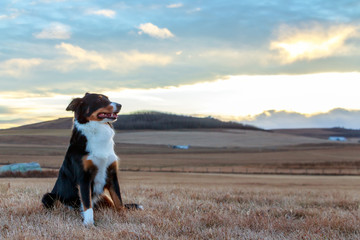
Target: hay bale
[(21, 167)]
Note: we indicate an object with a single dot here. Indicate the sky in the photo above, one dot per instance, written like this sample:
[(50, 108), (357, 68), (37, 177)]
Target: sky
[(273, 64)]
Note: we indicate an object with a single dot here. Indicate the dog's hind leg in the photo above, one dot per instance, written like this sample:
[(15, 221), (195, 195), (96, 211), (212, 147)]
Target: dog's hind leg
[(49, 199), (104, 201)]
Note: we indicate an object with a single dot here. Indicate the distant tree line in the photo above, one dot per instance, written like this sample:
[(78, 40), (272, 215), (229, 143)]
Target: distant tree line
[(344, 132), (165, 121)]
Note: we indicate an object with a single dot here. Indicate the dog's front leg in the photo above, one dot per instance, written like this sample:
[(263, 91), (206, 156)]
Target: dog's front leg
[(113, 186), (114, 189), (85, 192)]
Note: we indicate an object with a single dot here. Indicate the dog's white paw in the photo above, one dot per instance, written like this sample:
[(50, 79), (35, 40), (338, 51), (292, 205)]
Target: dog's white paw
[(88, 216), (140, 207)]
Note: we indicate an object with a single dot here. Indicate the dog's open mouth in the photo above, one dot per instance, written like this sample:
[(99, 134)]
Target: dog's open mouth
[(107, 115)]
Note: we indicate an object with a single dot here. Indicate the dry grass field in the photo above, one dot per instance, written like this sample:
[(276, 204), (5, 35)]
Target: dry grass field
[(189, 205), (194, 206)]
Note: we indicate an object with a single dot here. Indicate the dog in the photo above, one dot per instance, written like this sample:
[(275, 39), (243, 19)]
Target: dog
[(88, 176)]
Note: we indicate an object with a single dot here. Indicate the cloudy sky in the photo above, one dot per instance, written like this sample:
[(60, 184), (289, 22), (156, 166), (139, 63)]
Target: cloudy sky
[(271, 63)]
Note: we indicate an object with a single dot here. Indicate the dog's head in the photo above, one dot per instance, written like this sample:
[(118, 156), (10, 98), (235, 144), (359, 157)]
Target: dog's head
[(94, 107)]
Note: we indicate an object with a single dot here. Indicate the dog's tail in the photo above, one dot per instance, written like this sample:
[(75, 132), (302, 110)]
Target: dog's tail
[(49, 199)]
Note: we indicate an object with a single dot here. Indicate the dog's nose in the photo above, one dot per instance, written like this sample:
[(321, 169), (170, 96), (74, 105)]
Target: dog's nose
[(118, 106)]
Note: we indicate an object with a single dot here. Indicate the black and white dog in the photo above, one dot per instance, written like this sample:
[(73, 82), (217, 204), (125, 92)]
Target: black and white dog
[(88, 175)]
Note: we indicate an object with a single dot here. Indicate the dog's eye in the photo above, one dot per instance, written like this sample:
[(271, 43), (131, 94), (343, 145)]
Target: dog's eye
[(100, 100)]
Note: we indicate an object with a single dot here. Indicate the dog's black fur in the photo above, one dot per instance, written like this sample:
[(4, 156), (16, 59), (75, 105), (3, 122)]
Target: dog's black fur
[(75, 183)]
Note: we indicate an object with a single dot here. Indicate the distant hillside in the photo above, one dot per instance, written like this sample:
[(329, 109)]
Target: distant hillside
[(149, 120), (61, 123), (323, 133), (164, 121)]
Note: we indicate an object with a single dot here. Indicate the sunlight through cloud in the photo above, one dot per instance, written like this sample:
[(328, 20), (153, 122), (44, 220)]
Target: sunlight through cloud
[(315, 41)]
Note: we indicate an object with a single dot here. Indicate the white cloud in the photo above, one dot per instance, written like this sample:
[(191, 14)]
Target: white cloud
[(175, 5), (103, 12), (154, 31), (273, 119), (54, 31), (314, 41), (194, 10), (115, 61), (17, 67), (79, 55), (14, 14), (74, 57)]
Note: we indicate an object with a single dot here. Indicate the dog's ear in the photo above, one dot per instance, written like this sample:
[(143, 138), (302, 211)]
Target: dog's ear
[(74, 104)]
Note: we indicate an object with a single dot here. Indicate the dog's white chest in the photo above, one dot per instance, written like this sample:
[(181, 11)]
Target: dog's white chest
[(100, 146)]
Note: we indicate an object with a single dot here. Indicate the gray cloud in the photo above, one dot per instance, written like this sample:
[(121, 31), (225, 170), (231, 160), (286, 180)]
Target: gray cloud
[(282, 119)]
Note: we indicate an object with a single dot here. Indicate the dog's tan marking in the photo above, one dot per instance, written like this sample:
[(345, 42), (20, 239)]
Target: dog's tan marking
[(87, 163), (117, 202), (113, 166), (85, 208)]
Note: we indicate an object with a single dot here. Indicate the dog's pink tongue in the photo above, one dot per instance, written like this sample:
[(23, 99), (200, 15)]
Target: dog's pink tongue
[(108, 115)]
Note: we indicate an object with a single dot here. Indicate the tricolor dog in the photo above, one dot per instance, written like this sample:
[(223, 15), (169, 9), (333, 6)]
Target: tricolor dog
[(88, 175)]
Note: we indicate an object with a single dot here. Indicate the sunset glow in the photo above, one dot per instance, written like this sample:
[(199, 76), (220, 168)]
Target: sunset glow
[(236, 97)]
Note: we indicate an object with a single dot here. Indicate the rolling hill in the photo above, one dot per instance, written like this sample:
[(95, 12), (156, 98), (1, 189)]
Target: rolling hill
[(150, 121)]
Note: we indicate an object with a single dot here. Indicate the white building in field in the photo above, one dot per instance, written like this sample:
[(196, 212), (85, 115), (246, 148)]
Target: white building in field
[(337, 139)]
